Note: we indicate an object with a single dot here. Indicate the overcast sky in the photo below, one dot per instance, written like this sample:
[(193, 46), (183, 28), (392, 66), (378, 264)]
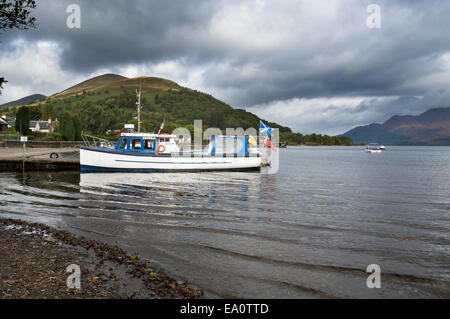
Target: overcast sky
[(312, 65)]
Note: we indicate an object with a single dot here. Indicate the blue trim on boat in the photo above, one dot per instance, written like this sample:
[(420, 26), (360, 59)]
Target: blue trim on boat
[(150, 153), (173, 162), (120, 151), (99, 169)]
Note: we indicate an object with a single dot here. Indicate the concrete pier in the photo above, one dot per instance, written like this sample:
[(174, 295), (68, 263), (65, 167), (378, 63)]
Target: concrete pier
[(11, 159)]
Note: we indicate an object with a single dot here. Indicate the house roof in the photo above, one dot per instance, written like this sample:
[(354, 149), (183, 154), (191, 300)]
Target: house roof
[(11, 122), (44, 125)]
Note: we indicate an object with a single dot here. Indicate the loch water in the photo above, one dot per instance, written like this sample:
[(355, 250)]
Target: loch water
[(308, 231)]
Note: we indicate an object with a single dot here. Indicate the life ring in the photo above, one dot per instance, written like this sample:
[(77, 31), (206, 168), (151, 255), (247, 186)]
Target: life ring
[(54, 155), (161, 149)]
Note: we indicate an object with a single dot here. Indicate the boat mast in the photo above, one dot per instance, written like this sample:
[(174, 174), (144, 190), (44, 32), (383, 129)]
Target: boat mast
[(138, 94), (162, 125)]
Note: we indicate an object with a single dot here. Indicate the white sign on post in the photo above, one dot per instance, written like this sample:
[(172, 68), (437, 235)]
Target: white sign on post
[(24, 139)]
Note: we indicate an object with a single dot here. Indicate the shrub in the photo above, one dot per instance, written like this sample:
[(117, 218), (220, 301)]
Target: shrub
[(56, 136)]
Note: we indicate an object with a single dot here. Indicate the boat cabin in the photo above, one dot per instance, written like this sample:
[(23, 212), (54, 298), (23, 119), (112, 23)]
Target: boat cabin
[(165, 144), (147, 143)]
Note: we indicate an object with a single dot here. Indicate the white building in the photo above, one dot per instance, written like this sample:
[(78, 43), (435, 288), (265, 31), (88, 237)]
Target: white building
[(41, 126)]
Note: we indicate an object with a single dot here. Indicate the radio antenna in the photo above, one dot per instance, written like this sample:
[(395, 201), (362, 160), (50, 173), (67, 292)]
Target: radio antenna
[(138, 94)]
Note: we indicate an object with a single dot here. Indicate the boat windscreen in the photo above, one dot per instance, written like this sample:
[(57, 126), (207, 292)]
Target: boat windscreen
[(149, 144)]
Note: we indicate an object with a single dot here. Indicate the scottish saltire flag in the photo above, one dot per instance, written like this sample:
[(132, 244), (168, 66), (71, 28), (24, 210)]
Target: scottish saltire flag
[(264, 129)]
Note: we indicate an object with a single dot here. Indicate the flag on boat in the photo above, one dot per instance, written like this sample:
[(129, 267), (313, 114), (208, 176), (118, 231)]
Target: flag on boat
[(269, 143), (264, 129), (252, 141)]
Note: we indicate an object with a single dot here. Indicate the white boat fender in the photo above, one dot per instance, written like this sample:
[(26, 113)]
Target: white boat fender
[(54, 155)]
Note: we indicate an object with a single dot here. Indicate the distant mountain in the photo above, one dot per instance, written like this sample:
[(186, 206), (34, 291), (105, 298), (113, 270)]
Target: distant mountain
[(25, 100), (429, 128)]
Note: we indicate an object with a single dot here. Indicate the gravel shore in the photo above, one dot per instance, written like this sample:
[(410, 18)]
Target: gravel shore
[(34, 258)]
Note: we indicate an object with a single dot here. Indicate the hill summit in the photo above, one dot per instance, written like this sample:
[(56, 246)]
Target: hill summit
[(114, 81)]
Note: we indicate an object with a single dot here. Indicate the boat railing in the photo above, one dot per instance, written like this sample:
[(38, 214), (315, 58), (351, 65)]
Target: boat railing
[(94, 141)]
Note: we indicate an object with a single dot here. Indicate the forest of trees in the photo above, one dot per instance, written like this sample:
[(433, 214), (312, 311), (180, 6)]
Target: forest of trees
[(23, 120), (315, 139), (69, 127), (101, 111)]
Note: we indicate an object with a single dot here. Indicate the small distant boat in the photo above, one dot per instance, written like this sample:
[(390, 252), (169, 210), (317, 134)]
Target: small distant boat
[(373, 148), (382, 147)]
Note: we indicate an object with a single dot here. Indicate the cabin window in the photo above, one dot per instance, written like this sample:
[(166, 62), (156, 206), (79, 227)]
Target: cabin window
[(123, 143), (148, 144), (135, 144)]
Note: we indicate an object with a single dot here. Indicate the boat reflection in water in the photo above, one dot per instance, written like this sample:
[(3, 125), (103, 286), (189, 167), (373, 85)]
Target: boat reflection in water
[(180, 191)]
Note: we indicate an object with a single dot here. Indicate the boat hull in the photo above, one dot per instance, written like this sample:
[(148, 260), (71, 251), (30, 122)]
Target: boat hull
[(94, 160)]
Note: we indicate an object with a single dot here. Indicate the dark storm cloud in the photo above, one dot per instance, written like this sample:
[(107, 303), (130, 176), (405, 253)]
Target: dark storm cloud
[(118, 32), (349, 59)]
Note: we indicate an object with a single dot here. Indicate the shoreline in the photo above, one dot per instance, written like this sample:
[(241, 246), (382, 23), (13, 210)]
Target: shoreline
[(11, 159), (34, 258), (8, 153)]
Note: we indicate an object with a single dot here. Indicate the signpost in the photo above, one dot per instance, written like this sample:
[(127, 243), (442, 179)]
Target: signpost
[(23, 139)]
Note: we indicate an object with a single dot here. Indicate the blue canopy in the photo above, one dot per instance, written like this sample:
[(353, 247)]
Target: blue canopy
[(229, 145)]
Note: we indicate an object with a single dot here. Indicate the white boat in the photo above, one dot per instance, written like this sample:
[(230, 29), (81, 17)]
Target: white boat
[(145, 152), (148, 152), (373, 148)]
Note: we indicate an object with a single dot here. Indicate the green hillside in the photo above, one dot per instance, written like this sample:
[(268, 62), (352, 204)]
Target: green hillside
[(95, 83), (107, 102)]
